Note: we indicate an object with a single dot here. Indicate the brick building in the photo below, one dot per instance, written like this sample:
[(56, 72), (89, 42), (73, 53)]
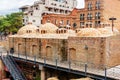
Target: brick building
[(96, 13), (61, 20)]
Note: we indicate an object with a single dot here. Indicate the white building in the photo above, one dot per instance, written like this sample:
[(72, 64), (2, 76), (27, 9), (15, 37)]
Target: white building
[(35, 12)]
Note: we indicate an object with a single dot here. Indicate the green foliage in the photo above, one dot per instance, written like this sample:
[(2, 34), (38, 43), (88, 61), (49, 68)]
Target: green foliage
[(11, 23)]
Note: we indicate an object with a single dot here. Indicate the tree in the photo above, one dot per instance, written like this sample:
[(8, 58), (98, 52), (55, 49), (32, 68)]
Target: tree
[(11, 23)]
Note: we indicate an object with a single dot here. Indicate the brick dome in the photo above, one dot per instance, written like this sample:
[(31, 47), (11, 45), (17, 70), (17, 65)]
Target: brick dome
[(48, 28), (53, 78), (28, 29), (89, 32), (71, 32)]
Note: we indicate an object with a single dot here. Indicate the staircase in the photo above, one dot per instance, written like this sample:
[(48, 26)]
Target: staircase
[(13, 67)]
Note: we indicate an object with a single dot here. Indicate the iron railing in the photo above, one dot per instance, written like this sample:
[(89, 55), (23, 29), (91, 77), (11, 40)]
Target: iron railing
[(12, 67)]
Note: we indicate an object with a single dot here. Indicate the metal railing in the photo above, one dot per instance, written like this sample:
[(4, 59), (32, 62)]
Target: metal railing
[(86, 68), (12, 67)]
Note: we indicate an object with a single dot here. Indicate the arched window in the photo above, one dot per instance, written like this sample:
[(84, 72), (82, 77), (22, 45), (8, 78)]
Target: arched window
[(34, 50), (43, 31), (37, 30), (65, 31), (57, 31), (61, 31), (48, 51), (72, 54)]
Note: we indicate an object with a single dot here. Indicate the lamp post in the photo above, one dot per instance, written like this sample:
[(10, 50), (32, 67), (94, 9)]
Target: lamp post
[(112, 19), (86, 48)]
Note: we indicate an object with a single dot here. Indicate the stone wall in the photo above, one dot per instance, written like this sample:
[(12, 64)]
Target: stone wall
[(113, 51), (49, 48), (95, 51), (87, 50)]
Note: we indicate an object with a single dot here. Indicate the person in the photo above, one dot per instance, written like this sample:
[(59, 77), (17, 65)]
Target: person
[(12, 50)]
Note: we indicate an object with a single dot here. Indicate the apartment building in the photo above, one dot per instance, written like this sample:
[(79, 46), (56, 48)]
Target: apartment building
[(35, 12), (99, 13)]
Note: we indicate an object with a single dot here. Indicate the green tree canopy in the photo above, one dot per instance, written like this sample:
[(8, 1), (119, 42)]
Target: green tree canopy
[(11, 22)]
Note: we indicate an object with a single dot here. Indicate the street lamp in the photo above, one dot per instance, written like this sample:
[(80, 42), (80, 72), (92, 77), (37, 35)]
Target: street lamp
[(86, 49), (112, 19)]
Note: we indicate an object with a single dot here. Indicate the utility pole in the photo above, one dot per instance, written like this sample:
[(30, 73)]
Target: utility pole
[(112, 19)]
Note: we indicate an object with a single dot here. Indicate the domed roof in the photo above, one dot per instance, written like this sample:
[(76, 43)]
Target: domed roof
[(53, 78), (49, 27), (115, 31), (27, 29), (89, 32), (71, 32), (105, 32)]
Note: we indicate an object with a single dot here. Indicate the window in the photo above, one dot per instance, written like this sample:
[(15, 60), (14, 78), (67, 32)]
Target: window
[(36, 8), (97, 23), (37, 30), (33, 20), (87, 25), (49, 9), (89, 6), (82, 16), (97, 6), (97, 15), (81, 24), (90, 24), (61, 22), (68, 22), (55, 10), (31, 14), (89, 17)]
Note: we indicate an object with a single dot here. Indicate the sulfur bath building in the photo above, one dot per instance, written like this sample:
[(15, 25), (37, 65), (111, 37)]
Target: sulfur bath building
[(95, 46)]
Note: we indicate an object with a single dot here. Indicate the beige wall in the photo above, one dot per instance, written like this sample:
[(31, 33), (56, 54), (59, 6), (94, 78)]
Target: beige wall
[(113, 51), (92, 50), (88, 50)]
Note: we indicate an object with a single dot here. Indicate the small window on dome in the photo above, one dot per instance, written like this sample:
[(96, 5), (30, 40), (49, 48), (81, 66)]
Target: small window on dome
[(27, 31), (65, 31), (62, 31), (59, 31), (43, 31), (37, 30), (76, 31)]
